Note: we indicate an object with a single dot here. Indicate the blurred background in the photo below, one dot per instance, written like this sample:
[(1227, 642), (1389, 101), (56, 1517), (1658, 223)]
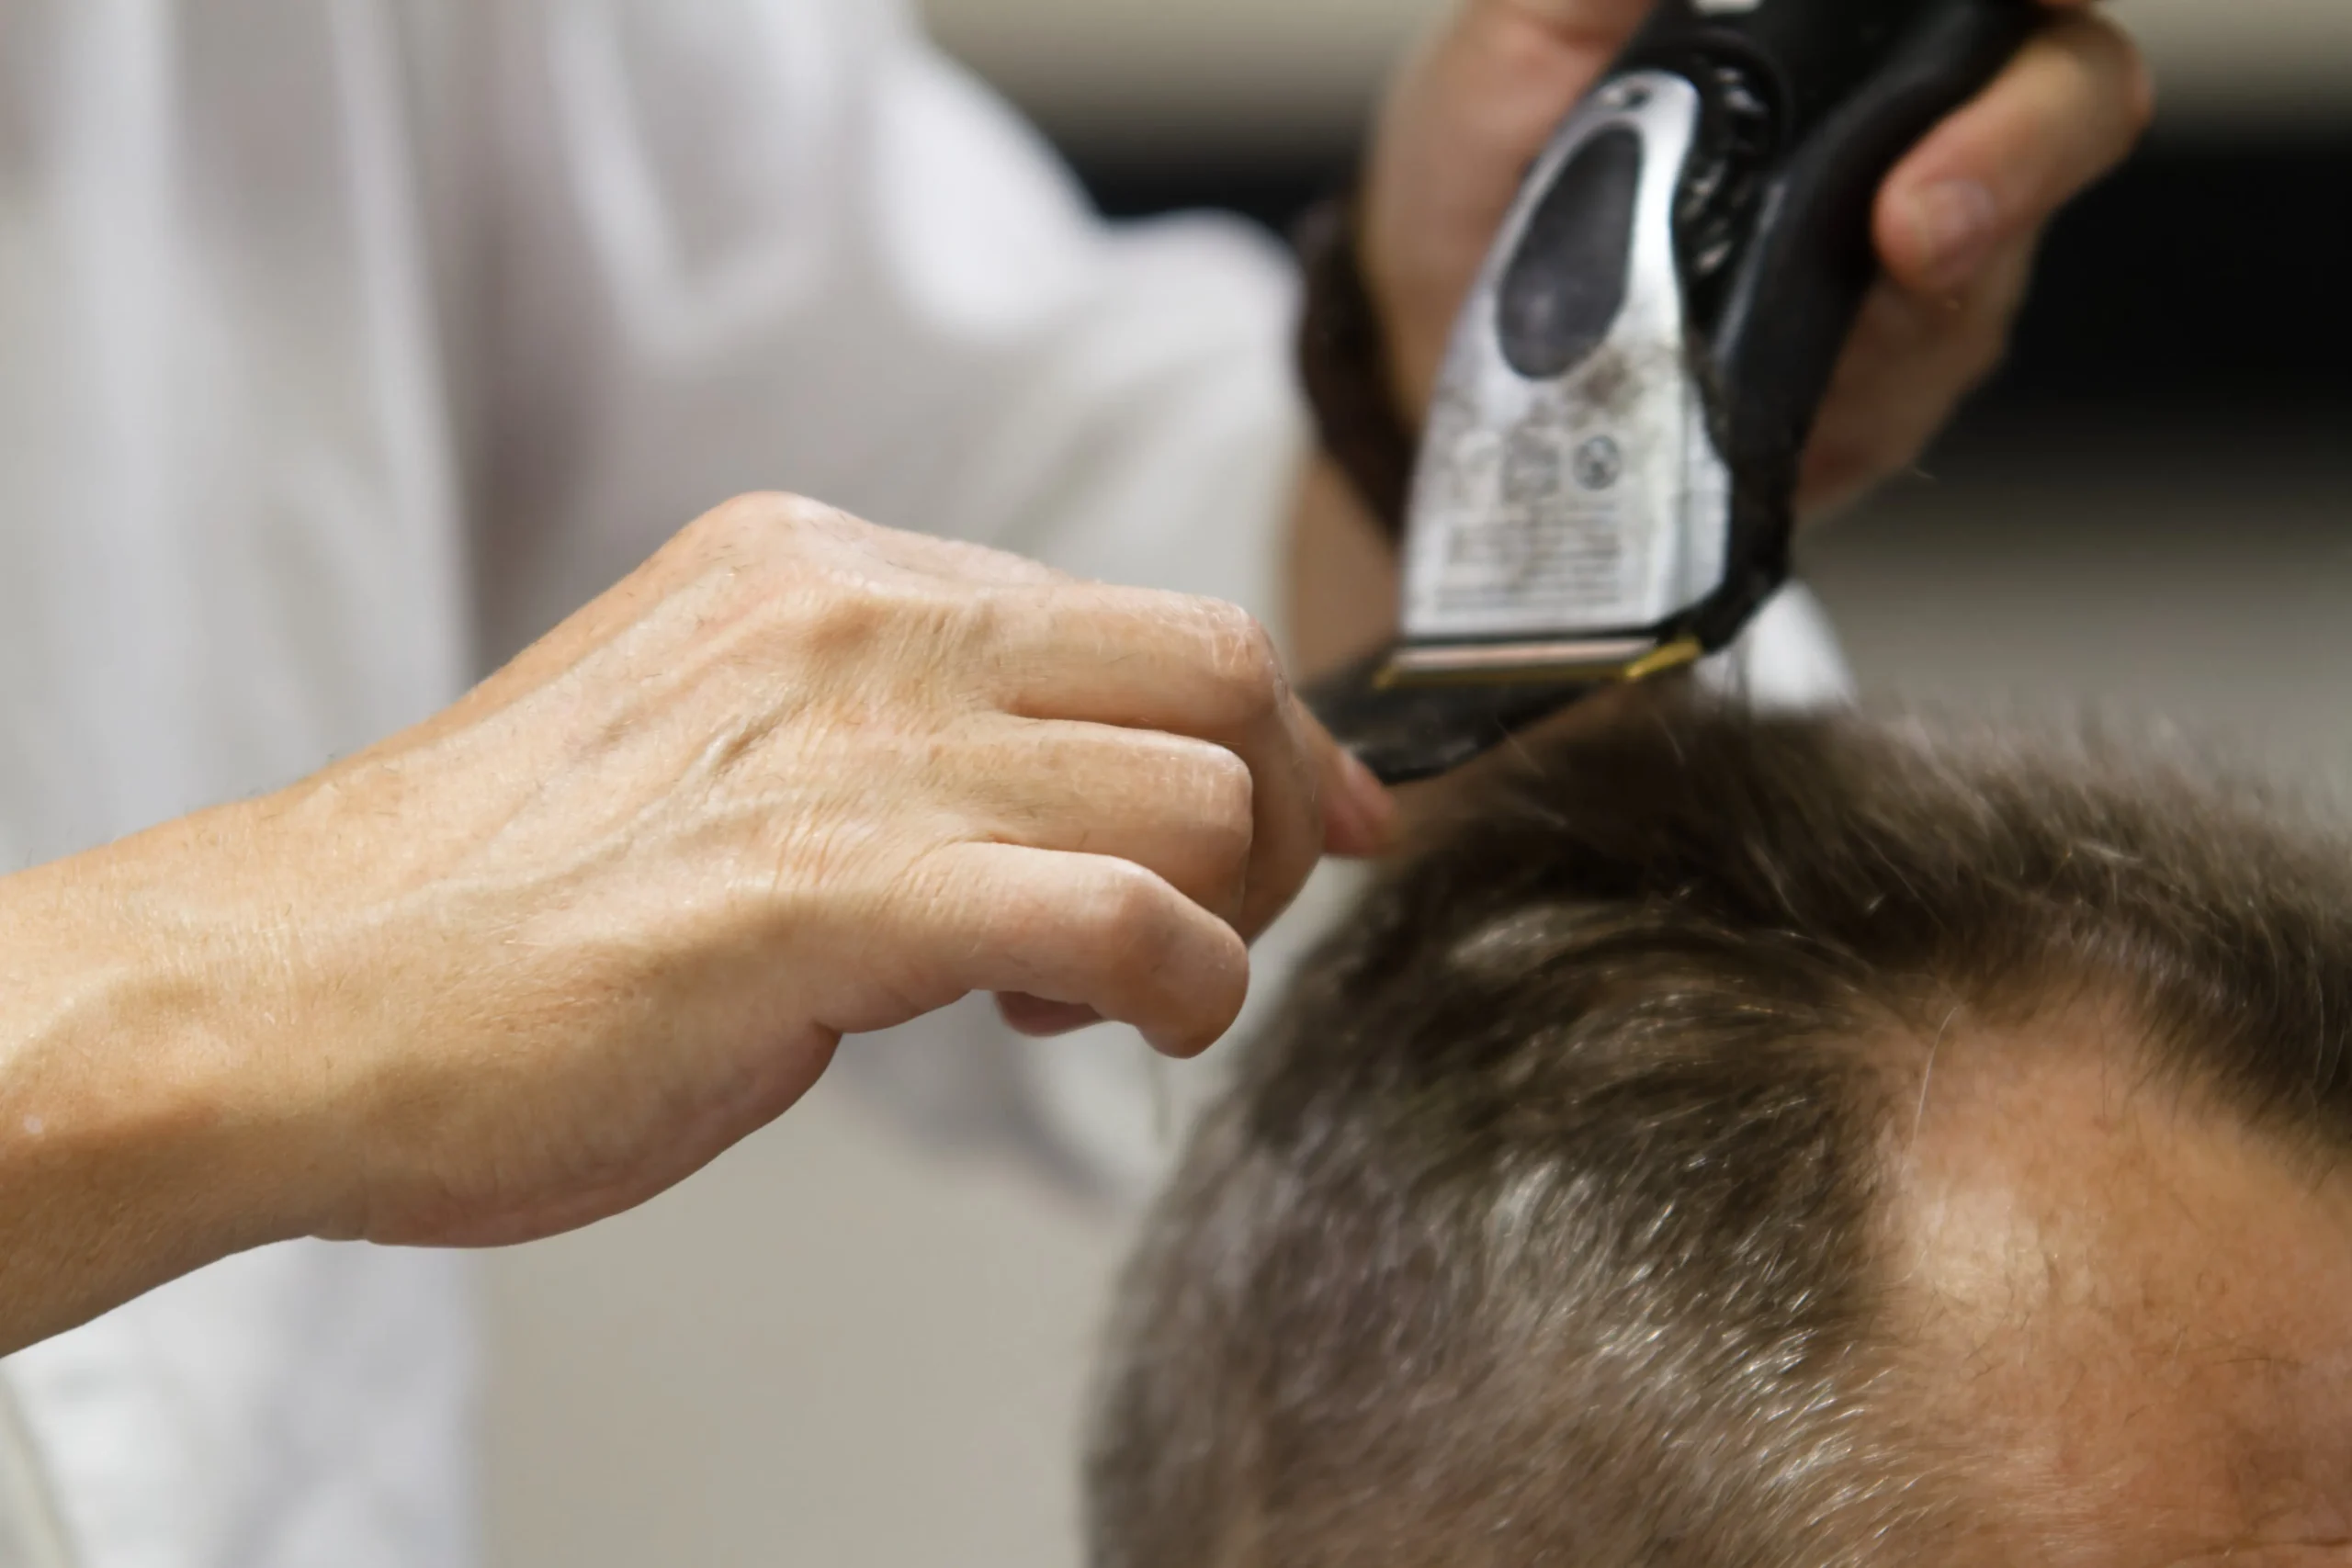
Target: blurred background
[(832, 1350)]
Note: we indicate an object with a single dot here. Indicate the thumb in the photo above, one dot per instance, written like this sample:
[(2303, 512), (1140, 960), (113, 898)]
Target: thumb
[(1358, 814)]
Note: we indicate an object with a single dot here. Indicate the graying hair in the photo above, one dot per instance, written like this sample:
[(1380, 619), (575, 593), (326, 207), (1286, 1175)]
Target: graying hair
[(1538, 1229)]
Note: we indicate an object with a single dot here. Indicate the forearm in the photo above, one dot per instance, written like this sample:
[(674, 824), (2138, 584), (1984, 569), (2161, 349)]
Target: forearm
[(140, 1136)]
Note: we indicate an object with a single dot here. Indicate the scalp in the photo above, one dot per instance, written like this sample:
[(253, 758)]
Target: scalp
[(1547, 1223)]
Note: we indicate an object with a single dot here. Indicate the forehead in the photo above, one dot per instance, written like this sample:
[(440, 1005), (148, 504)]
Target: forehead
[(2129, 1308)]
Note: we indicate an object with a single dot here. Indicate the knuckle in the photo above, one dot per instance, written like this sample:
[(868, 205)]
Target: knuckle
[(1224, 806), (901, 627), (1247, 661), (1209, 1001), (1130, 918), (1229, 790), (742, 520), (745, 534), (757, 524)]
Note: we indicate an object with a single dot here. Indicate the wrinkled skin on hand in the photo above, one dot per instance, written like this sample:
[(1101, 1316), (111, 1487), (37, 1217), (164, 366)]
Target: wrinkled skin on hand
[(796, 778), (1957, 223)]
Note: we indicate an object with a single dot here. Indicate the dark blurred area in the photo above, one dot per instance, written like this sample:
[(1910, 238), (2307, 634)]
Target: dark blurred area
[(2211, 275)]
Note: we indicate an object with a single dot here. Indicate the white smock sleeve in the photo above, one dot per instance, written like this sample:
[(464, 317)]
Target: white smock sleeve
[(785, 244)]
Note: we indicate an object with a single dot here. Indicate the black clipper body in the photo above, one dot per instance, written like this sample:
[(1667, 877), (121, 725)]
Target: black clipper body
[(1606, 482)]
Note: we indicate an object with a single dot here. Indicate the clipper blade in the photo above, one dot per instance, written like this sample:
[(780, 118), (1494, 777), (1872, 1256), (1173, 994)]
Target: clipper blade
[(1406, 733), (1416, 711)]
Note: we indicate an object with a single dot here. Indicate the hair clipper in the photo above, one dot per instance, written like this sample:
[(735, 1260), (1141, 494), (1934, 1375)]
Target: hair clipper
[(1606, 482)]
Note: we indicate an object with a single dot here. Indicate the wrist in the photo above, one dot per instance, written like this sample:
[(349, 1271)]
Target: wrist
[(154, 1116), (269, 1012)]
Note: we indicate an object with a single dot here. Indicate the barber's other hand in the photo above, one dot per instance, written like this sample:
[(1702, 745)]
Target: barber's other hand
[(798, 777), (1957, 223)]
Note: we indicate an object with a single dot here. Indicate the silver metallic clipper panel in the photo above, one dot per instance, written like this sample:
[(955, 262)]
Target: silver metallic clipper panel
[(1682, 268), (1569, 487)]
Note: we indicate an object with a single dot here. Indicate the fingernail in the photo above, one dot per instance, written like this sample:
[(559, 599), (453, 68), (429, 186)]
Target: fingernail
[(1956, 225)]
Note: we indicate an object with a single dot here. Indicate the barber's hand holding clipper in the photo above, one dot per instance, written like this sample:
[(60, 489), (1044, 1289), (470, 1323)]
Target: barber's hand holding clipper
[(1957, 225)]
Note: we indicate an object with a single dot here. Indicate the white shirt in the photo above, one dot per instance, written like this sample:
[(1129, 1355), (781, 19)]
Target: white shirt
[(346, 344)]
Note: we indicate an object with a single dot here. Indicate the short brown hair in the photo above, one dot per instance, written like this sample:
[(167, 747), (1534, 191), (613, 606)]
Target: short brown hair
[(1537, 1230)]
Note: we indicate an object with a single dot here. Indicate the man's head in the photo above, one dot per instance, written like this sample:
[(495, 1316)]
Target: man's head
[(1782, 1143)]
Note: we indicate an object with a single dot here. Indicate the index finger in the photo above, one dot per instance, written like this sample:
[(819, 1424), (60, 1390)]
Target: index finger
[(2067, 109)]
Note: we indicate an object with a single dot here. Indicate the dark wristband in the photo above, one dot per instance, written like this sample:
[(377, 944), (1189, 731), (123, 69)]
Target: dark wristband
[(1343, 366)]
